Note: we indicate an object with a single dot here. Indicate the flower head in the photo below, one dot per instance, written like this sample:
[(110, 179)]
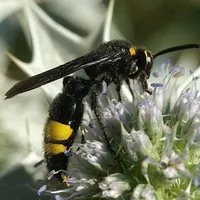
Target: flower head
[(154, 149)]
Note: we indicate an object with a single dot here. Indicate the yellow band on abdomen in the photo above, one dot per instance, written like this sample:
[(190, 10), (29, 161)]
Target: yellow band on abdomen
[(56, 131), (54, 148)]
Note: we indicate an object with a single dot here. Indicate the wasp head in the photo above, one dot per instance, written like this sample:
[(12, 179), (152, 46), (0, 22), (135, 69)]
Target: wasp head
[(142, 62)]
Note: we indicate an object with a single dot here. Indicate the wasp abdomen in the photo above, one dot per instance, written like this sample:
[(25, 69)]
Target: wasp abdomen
[(65, 117)]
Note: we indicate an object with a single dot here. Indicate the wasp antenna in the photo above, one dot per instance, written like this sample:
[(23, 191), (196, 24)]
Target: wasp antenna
[(176, 48)]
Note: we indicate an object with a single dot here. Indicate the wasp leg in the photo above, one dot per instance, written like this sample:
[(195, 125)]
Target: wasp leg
[(118, 83), (129, 86), (118, 89), (82, 136), (94, 107), (142, 79)]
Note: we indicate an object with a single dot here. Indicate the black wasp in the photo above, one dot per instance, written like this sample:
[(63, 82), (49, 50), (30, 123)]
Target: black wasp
[(113, 62)]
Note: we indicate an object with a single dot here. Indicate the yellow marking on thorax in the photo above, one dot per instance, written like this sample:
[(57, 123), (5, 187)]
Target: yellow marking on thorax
[(54, 149), (132, 51), (57, 131)]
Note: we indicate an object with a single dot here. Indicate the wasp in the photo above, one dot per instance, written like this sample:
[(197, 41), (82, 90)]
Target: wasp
[(112, 62)]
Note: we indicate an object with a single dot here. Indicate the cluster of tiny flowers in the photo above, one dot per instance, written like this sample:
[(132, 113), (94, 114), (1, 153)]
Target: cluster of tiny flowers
[(153, 150)]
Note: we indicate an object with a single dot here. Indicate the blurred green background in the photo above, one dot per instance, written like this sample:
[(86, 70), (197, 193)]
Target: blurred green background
[(43, 41)]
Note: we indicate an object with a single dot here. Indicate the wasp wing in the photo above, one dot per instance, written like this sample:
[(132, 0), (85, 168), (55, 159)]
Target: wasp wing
[(91, 59)]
